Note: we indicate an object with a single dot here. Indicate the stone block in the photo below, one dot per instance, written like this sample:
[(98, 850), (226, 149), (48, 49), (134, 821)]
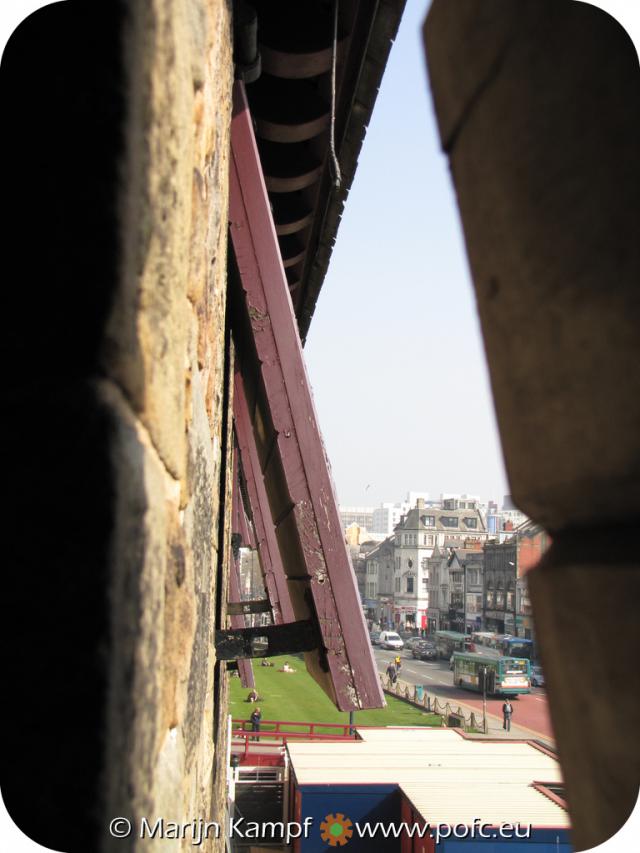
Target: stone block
[(587, 635), (539, 109), (174, 211)]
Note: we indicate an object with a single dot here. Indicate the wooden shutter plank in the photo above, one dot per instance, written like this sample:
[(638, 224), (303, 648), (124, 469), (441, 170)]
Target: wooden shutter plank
[(310, 537)]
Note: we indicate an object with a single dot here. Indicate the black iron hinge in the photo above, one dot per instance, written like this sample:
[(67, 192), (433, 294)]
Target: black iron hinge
[(267, 640)]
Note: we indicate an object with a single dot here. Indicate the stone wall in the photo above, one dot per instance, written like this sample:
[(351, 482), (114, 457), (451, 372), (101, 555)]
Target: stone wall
[(117, 151), (538, 105), (165, 366)]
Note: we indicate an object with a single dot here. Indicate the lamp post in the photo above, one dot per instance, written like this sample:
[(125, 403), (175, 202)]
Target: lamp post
[(512, 613), (464, 599), (484, 699)]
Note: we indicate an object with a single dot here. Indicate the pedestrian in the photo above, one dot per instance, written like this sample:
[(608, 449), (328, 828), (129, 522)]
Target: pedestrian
[(255, 719), (391, 673), (507, 711), (398, 663)]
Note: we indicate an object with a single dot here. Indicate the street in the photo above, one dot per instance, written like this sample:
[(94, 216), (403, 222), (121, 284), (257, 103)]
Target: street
[(530, 711)]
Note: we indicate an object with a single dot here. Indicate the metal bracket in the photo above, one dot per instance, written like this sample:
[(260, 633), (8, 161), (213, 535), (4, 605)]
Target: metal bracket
[(267, 640), (239, 608)]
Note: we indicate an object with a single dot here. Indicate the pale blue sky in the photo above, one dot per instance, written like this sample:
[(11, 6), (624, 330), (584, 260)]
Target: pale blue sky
[(394, 352)]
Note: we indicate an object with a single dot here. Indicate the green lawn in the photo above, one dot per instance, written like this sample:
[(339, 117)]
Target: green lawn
[(296, 697)]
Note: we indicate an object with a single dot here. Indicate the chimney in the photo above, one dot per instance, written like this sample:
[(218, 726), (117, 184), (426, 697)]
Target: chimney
[(420, 503)]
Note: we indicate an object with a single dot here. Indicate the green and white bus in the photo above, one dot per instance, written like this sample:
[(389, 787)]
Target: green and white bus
[(448, 642), (504, 676)]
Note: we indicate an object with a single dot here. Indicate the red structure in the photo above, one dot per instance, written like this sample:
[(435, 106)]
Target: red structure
[(533, 541), (275, 407)]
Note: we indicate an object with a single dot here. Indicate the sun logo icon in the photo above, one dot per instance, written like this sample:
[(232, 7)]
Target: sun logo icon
[(336, 829)]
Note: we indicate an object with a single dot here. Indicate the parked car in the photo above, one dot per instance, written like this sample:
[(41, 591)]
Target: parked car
[(374, 636), (390, 640), (537, 676), (412, 642), (424, 650)]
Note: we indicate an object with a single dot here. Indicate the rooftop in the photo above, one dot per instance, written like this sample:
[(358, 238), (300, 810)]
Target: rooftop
[(414, 520), (448, 778)]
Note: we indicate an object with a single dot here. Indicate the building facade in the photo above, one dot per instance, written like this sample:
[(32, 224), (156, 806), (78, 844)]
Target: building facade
[(360, 515), (500, 574), (420, 531), (379, 593)]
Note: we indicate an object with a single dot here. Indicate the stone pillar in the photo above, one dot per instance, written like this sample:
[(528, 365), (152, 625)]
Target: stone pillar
[(167, 369), (538, 105), (116, 149)]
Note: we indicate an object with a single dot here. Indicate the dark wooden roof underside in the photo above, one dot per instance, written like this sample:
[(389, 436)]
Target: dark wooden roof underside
[(291, 108)]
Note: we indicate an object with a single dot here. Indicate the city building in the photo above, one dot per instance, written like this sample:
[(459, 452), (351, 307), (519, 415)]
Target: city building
[(532, 542), (438, 587), (386, 516), (473, 562), (466, 568), (360, 515), (416, 536), (463, 501), (455, 587), (379, 590), (500, 573)]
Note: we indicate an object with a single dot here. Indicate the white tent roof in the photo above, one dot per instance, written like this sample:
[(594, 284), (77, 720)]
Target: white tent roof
[(448, 778)]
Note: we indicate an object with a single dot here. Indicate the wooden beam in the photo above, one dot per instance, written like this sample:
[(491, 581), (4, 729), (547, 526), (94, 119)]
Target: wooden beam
[(300, 491), (245, 669), (275, 580)]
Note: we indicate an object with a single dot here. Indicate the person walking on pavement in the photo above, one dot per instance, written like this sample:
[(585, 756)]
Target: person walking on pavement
[(398, 663), (391, 673), (255, 719), (507, 711)]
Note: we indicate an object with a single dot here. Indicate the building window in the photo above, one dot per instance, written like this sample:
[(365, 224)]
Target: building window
[(409, 584), (397, 584), (471, 522), (449, 521)]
